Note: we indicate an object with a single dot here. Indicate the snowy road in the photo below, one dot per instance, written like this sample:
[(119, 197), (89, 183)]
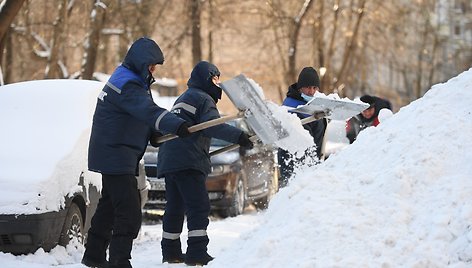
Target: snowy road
[(146, 250)]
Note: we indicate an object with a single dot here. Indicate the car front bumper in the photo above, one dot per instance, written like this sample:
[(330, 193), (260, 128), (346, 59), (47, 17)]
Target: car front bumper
[(219, 192), (23, 234)]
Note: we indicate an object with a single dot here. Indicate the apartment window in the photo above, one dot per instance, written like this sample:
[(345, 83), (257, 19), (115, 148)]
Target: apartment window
[(457, 30)]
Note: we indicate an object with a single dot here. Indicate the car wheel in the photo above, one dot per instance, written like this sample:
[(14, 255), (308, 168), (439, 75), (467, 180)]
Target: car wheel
[(238, 202), (73, 226)]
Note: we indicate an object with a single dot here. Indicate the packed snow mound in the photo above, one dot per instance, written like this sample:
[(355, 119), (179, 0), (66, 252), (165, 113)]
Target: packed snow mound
[(400, 196)]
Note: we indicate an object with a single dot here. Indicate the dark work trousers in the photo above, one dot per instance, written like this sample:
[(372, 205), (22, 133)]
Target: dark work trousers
[(286, 167), (186, 193), (288, 163), (116, 221)]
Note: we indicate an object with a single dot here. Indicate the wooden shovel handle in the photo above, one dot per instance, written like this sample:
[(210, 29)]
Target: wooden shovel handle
[(230, 147), (202, 126), (315, 116)]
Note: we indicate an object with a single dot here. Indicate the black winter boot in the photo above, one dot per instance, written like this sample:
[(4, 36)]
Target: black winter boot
[(174, 259), (172, 251), (120, 251), (95, 252), (92, 263), (200, 261)]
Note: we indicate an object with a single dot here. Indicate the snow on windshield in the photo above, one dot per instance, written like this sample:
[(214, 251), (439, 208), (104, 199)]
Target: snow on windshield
[(43, 142)]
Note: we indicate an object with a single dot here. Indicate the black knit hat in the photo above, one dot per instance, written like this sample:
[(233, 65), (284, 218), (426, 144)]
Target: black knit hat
[(308, 77), (368, 99)]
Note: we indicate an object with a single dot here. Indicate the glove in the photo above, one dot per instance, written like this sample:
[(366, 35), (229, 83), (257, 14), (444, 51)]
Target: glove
[(245, 142), (183, 132), (153, 139), (322, 114)]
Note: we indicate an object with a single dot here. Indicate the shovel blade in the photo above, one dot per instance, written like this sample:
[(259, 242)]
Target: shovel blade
[(340, 109), (247, 96)]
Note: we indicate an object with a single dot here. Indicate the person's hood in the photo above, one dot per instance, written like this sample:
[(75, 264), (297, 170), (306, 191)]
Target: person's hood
[(143, 53), (294, 93), (201, 78)]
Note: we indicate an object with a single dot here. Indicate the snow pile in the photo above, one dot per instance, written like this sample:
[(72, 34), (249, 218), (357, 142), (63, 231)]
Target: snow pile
[(43, 142), (400, 196)]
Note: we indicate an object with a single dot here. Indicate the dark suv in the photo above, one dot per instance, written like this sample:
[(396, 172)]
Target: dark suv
[(238, 178)]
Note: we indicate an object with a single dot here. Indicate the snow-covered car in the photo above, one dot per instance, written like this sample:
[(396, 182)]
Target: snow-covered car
[(47, 196), (238, 178)]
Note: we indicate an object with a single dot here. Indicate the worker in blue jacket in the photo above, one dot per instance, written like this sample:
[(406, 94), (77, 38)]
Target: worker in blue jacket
[(124, 120), (185, 165), (300, 93)]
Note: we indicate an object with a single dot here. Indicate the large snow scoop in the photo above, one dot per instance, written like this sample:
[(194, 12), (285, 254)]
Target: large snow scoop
[(254, 138), (317, 108), (246, 97), (251, 105), (336, 109)]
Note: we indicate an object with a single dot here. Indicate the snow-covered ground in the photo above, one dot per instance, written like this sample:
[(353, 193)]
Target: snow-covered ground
[(400, 196)]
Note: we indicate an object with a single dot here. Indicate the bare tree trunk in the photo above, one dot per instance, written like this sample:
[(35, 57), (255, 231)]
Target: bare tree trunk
[(7, 15), (325, 79), (351, 45), (195, 11), (433, 59), (318, 35), (97, 19), (7, 73), (419, 69), (53, 70), (293, 41), (277, 37), (210, 31)]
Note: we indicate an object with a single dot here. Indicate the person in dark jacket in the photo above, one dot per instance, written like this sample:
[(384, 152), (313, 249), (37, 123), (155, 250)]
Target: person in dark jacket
[(368, 117), (300, 93), (185, 165), (124, 120)]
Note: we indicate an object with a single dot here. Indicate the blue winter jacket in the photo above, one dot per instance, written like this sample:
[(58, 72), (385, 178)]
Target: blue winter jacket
[(126, 115), (316, 128), (196, 105)]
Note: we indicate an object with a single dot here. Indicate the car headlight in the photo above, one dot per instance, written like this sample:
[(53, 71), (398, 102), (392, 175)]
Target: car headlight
[(217, 170)]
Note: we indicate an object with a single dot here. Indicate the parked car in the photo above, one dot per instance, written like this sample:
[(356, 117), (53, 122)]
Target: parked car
[(238, 178), (47, 196)]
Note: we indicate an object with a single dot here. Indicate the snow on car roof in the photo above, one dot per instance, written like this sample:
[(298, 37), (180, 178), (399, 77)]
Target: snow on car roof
[(43, 143)]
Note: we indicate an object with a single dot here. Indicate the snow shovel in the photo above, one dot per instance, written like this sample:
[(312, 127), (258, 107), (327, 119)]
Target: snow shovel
[(254, 138), (338, 109), (318, 108), (251, 105)]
